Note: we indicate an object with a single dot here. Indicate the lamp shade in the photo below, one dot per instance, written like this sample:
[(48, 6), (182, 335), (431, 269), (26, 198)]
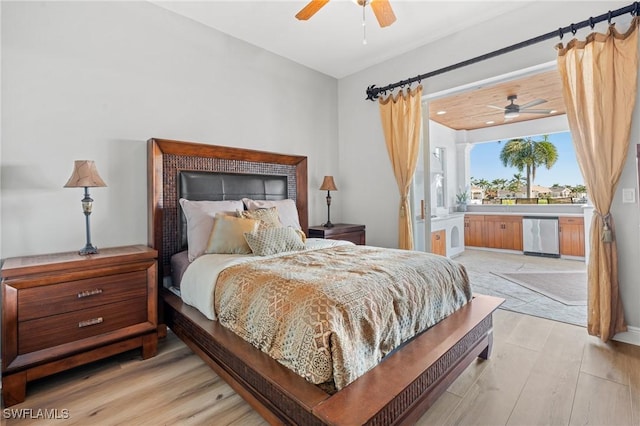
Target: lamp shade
[(328, 184), (84, 174)]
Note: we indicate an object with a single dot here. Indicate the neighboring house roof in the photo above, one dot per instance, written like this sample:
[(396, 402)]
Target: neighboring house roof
[(540, 189)]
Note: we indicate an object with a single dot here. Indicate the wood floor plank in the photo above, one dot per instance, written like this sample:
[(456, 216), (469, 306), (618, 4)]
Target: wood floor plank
[(547, 397), (175, 387), (605, 360), (463, 383), (531, 332), (504, 323), (439, 412), (632, 353), (492, 397), (601, 402)]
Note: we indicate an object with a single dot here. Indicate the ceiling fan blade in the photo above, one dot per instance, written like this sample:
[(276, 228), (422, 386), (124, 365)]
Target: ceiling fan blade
[(383, 11), (310, 9), (532, 103), (535, 111), (495, 107)]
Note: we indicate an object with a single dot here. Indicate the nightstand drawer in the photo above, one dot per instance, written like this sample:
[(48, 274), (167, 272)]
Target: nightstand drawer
[(39, 302), (51, 331), (355, 237), (340, 231)]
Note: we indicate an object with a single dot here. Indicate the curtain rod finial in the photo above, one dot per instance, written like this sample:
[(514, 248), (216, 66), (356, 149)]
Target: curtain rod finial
[(372, 93)]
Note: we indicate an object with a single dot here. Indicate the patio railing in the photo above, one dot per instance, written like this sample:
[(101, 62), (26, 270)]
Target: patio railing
[(513, 201)]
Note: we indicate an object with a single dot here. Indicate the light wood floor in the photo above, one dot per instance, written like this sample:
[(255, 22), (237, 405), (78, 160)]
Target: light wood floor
[(541, 373)]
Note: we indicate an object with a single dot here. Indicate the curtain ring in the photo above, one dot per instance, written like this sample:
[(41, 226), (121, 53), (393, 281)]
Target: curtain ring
[(609, 16), (591, 23), (636, 8), (560, 33), (574, 30)]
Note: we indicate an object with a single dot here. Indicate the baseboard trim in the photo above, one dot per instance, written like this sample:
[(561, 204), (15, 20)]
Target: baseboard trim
[(632, 336)]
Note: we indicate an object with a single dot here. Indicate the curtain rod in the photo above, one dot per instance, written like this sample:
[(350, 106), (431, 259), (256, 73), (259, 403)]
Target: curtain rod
[(374, 92)]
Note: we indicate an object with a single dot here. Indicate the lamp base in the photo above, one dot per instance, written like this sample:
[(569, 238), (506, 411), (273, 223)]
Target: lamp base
[(88, 249), (328, 224)]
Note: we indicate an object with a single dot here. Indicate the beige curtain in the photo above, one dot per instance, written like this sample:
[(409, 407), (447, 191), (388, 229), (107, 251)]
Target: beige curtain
[(401, 122), (599, 87)]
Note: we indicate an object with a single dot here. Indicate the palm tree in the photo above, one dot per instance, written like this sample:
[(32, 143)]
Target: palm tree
[(499, 183), (529, 154), (514, 185), (480, 183), (520, 178)]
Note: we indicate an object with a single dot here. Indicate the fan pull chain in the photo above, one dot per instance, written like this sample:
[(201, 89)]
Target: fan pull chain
[(364, 23)]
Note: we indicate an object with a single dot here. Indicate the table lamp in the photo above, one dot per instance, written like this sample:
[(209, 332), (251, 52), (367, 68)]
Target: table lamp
[(328, 185), (85, 175)]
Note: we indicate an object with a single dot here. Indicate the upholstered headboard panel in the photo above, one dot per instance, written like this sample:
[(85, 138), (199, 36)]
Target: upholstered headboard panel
[(214, 186)]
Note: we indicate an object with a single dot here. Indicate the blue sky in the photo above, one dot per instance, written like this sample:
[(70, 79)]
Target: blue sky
[(485, 163)]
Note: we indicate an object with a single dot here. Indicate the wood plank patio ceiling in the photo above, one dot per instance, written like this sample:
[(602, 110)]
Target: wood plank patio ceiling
[(469, 110)]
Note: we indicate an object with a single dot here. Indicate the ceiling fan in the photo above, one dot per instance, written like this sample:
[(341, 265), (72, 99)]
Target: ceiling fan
[(513, 110), (381, 9)]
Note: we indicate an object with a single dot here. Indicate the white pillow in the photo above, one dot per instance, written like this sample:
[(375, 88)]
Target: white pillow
[(200, 216), (287, 210)]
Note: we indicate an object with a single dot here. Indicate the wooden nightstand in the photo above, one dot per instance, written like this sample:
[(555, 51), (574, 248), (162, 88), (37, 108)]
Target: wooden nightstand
[(64, 310), (340, 231)]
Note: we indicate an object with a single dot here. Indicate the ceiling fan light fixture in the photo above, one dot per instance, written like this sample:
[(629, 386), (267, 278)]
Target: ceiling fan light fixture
[(511, 114)]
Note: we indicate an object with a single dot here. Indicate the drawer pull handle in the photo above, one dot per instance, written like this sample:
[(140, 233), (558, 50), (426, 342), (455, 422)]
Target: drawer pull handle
[(92, 321), (88, 293)]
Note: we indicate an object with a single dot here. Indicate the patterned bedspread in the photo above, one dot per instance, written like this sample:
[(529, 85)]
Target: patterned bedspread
[(332, 314)]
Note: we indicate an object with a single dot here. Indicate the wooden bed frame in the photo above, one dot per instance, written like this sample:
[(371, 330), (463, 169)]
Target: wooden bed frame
[(398, 391)]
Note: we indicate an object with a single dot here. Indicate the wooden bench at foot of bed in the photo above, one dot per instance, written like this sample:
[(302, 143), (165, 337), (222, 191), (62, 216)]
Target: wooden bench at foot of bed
[(397, 391)]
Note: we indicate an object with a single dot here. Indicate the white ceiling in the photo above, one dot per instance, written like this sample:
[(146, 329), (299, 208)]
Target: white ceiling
[(331, 41)]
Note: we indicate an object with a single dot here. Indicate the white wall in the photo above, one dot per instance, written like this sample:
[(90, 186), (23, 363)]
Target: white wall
[(372, 190), (95, 80)]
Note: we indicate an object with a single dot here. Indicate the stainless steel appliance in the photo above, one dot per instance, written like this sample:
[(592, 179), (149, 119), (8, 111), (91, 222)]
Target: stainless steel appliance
[(540, 236)]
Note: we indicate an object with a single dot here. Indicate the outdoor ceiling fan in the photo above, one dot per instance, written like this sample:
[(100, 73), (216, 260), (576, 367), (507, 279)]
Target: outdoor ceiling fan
[(513, 110), (381, 9)]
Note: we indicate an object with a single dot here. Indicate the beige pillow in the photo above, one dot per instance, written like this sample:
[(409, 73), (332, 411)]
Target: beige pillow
[(268, 217), (287, 210), (274, 240), (200, 216), (227, 235)]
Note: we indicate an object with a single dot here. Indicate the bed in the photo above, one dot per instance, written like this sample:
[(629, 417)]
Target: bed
[(396, 391)]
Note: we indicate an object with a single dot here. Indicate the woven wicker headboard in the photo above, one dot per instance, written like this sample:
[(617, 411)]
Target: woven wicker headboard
[(167, 158)]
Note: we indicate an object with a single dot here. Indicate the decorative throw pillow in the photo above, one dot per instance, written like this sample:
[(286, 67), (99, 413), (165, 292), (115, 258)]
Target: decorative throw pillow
[(287, 210), (227, 235), (302, 235), (200, 216), (274, 240), (268, 217)]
